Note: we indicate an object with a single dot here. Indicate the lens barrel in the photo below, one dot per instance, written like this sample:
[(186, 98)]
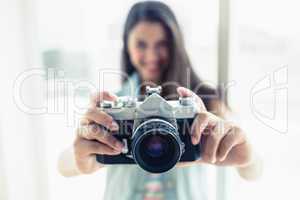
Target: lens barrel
[(156, 145)]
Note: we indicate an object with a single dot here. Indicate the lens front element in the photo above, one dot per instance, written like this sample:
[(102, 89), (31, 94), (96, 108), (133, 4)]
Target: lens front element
[(156, 145)]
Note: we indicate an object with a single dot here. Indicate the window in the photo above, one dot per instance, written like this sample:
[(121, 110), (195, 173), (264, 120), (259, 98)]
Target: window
[(264, 42)]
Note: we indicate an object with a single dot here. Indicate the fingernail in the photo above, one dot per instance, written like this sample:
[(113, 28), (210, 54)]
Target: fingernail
[(117, 151), (194, 139)]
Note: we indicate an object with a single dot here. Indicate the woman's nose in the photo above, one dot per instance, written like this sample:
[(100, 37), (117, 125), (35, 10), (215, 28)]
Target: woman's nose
[(152, 55)]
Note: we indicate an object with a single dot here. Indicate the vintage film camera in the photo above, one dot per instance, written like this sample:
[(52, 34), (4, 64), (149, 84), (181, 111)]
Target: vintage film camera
[(156, 132)]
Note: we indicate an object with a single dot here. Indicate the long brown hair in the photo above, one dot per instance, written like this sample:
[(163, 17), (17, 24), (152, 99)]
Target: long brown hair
[(180, 71)]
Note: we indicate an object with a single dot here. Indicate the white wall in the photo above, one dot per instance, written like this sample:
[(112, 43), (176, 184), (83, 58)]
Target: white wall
[(21, 135)]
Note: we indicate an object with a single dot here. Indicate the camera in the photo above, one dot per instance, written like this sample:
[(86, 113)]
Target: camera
[(155, 132)]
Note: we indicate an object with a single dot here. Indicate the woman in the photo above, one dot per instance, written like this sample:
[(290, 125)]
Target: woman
[(154, 53)]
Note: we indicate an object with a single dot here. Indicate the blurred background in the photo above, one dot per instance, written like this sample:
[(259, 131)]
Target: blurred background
[(52, 54)]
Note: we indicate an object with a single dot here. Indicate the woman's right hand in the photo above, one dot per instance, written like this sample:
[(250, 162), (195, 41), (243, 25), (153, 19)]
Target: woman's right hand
[(92, 139)]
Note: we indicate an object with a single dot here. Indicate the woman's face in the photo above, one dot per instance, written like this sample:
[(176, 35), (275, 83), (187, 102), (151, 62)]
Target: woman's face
[(148, 49)]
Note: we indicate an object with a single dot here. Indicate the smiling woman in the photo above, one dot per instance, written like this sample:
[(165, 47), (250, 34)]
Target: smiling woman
[(153, 45), (107, 53), (74, 41), (154, 53), (92, 21)]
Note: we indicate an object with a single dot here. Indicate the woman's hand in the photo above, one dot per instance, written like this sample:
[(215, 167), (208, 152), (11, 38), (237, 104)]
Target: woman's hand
[(223, 143), (92, 139)]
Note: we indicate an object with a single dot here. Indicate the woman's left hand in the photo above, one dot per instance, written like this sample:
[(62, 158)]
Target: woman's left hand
[(223, 143)]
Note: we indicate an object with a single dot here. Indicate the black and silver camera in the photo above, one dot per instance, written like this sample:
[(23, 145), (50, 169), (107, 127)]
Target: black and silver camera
[(156, 132)]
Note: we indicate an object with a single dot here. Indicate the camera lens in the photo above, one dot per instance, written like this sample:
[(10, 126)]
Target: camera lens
[(156, 145)]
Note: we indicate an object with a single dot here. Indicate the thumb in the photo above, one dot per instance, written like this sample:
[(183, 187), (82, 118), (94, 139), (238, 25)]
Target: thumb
[(184, 92), (98, 97)]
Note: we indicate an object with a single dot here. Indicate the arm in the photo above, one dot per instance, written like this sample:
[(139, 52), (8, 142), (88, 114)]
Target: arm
[(66, 163), (252, 170)]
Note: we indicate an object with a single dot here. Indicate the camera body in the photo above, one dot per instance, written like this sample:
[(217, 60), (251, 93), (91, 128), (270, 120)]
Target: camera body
[(156, 132)]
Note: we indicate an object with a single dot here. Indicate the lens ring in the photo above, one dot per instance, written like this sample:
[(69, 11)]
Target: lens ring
[(161, 128)]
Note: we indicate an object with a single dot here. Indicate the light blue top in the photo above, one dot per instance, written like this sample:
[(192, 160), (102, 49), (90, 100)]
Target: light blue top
[(126, 182)]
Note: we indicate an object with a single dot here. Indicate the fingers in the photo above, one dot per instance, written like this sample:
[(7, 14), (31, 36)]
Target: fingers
[(96, 98), (198, 127), (92, 134), (95, 132), (184, 92), (213, 139), (214, 129), (85, 148), (231, 139), (98, 148), (96, 115), (203, 123), (220, 137), (100, 117)]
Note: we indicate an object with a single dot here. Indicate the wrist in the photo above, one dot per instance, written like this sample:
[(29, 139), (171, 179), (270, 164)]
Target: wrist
[(67, 165)]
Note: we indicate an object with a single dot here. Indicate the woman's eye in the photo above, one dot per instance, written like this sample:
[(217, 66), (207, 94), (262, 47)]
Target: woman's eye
[(162, 44), (141, 45)]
